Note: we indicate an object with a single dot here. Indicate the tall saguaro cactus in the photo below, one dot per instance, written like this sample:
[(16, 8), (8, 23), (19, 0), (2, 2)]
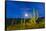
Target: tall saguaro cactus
[(34, 15), (37, 15), (12, 22)]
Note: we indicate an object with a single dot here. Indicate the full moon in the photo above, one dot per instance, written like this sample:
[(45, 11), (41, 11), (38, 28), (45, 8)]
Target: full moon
[(26, 14)]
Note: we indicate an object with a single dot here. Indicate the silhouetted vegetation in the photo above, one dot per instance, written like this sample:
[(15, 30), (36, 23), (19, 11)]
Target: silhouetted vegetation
[(30, 23)]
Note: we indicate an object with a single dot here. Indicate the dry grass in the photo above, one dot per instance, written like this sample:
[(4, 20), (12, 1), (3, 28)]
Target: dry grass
[(32, 24)]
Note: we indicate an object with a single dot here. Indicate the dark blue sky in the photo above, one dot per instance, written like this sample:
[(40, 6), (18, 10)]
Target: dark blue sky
[(16, 9)]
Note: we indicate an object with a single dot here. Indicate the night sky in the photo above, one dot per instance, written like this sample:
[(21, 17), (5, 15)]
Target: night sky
[(15, 9)]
